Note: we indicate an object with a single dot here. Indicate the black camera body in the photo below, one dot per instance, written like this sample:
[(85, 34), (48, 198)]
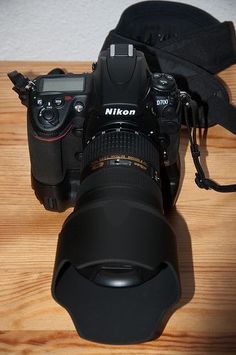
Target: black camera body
[(55, 130), (65, 112), (107, 143)]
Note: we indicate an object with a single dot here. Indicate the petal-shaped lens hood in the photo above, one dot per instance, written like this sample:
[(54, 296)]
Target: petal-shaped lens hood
[(140, 238)]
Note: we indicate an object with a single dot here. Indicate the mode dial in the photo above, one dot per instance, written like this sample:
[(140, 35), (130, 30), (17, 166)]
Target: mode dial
[(163, 82)]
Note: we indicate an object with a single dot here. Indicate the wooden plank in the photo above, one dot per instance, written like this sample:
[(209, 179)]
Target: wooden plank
[(67, 342), (204, 221)]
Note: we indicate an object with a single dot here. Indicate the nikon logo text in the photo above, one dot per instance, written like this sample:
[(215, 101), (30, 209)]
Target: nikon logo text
[(119, 112)]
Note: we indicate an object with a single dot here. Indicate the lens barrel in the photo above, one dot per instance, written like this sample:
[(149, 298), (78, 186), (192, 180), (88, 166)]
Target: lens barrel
[(120, 148), (116, 266)]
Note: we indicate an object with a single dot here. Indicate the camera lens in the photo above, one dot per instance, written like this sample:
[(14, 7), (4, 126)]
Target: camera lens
[(120, 202), (116, 266)]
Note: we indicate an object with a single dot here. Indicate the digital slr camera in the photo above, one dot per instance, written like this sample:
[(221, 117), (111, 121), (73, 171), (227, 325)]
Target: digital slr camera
[(107, 143)]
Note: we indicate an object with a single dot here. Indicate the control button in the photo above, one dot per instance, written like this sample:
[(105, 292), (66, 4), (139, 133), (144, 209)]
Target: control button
[(39, 102), (169, 77), (48, 117), (157, 75), (79, 106), (58, 101), (48, 114)]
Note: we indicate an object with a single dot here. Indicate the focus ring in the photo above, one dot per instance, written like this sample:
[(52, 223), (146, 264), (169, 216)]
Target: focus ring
[(121, 177)]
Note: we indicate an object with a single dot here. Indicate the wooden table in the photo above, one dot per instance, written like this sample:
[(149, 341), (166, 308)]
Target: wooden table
[(32, 323)]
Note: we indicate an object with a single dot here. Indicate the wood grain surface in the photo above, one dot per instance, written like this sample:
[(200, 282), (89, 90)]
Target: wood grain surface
[(204, 221)]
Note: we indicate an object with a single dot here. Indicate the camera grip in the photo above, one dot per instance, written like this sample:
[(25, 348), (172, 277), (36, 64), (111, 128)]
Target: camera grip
[(46, 159), (55, 169)]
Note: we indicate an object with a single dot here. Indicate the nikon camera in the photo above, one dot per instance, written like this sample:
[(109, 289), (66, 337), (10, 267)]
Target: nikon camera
[(106, 143)]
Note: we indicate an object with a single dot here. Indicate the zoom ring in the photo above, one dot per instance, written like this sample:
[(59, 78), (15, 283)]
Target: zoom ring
[(120, 143)]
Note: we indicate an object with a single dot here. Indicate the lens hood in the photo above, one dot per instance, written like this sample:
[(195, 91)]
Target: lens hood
[(117, 232)]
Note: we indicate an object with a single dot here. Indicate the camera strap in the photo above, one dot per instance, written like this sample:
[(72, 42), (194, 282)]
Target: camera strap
[(189, 44), (190, 110), (21, 86)]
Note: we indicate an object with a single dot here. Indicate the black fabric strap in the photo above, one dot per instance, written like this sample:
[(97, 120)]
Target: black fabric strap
[(212, 48), (20, 86), (224, 113), (184, 30), (200, 178)]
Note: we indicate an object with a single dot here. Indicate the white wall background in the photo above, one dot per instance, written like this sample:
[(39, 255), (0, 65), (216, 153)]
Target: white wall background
[(71, 29)]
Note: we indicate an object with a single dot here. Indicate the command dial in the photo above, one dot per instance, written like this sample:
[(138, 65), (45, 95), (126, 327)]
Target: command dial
[(163, 82)]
